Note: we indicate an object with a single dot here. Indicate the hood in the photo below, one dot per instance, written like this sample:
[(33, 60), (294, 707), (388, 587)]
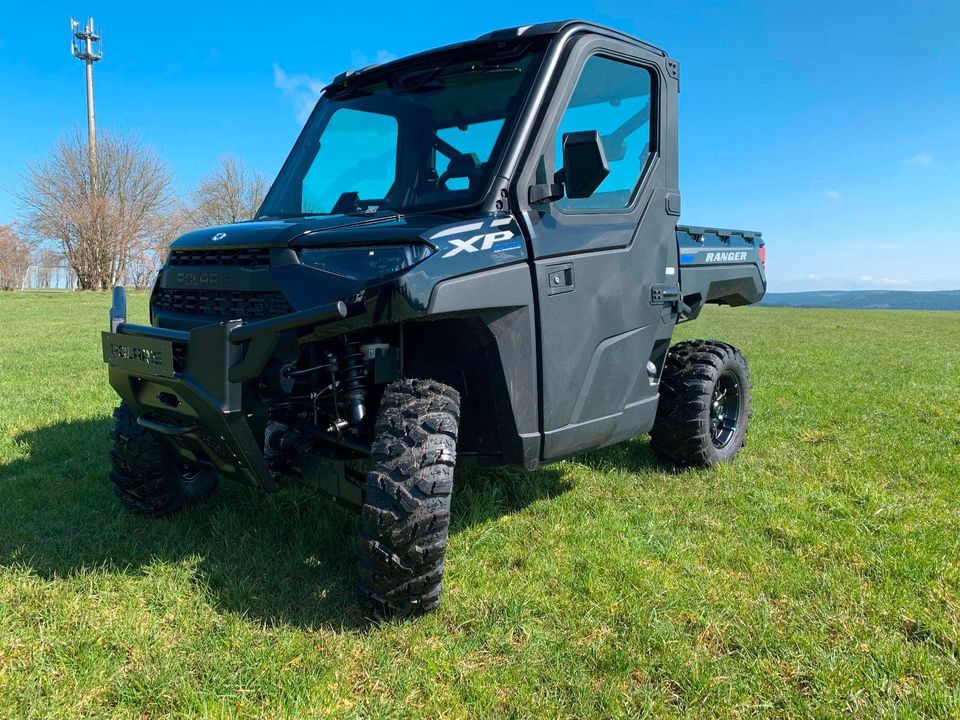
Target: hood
[(386, 227)]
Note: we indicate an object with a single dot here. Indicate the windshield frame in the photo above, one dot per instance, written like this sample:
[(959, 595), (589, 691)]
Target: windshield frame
[(348, 94)]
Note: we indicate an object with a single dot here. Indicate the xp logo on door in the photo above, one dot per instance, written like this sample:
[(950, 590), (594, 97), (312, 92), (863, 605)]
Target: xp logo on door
[(492, 234), (470, 245)]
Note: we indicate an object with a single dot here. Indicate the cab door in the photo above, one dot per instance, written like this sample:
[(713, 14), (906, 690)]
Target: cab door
[(597, 260)]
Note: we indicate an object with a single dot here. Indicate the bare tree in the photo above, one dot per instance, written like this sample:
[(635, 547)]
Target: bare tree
[(97, 224), (229, 194), (150, 250), (14, 258)]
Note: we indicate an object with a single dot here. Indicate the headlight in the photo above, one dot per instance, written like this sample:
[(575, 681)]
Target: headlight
[(364, 262)]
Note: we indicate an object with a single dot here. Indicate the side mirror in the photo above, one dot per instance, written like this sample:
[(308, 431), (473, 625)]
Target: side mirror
[(585, 163)]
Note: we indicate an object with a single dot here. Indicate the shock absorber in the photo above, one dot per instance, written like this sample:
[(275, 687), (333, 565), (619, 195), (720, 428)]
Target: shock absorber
[(352, 376)]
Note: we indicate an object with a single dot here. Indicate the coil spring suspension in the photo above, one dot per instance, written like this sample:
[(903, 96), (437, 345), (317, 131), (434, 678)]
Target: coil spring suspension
[(352, 376)]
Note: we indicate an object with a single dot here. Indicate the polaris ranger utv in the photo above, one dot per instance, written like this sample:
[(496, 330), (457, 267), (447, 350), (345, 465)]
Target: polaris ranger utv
[(471, 253)]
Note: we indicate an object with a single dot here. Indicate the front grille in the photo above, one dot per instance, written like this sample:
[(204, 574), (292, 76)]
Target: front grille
[(242, 257), (223, 304)]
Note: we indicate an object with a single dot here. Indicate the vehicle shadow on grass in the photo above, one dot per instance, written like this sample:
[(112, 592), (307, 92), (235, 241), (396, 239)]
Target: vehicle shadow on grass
[(281, 558)]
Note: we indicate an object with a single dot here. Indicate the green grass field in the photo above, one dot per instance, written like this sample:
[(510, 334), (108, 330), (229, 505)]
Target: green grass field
[(818, 576)]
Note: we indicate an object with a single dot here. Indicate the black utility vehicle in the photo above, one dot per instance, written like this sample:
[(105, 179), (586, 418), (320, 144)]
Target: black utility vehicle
[(470, 254)]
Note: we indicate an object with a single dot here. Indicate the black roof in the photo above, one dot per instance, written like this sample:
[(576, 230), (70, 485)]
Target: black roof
[(555, 28), (523, 31)]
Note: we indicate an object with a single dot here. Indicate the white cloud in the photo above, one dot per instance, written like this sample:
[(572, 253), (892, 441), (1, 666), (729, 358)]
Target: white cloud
[(302, 90), (359, 59), (919, 160), (832, 195)]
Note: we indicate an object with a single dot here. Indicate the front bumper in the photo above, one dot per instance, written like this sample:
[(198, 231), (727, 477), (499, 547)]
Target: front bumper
[(188, 385)]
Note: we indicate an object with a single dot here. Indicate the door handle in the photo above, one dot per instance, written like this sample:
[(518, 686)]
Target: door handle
[(560, 279)]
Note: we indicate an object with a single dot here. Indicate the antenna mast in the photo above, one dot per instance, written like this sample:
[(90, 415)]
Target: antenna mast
[(85, 45)]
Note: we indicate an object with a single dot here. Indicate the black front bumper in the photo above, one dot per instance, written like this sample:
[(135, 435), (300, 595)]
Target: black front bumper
[(188, 385)]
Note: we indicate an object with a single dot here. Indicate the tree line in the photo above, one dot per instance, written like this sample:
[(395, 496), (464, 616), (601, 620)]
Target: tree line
[(111, 221)]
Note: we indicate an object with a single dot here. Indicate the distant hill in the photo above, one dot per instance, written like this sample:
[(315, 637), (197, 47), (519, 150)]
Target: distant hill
[(868, 299)]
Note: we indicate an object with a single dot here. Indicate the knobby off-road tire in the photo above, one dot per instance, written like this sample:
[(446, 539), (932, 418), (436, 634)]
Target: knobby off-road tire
[(406, 511), (705, 404), (147, 477)]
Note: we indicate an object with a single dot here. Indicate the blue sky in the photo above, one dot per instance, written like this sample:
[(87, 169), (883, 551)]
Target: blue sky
[(832, 127)]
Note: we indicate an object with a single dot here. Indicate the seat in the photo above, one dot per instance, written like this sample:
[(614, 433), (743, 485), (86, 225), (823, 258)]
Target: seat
[(464, 165)]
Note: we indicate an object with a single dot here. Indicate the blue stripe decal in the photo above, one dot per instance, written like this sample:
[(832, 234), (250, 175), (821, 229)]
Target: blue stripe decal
[(508, 246), (688, 259)]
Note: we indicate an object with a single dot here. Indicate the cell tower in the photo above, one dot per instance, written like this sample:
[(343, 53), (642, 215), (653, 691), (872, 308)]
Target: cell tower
[(85, 45)]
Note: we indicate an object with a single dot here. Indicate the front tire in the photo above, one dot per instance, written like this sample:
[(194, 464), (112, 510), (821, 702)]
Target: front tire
[(705, 404), (406, 511), (147, 477)]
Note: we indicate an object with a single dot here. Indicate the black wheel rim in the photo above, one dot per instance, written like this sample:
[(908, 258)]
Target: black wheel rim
[(724, 409)]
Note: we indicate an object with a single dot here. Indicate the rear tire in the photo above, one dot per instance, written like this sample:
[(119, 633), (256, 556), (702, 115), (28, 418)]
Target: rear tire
[(705, 404), (406, 511), (147, 477)]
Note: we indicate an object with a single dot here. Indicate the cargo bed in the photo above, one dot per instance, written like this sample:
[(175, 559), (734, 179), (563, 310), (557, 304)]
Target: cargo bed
[(723, 267)]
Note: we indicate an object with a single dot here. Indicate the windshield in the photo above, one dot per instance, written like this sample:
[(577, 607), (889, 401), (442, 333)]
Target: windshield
[(425, 137)]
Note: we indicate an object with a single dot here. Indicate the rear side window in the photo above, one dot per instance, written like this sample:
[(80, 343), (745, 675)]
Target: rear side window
[(358, 154), (614, 98)]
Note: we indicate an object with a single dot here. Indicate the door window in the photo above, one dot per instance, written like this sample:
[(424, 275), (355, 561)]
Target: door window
[(614, 98)]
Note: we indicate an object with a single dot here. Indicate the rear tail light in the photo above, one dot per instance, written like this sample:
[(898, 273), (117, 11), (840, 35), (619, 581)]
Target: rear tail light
[(763, 255)]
